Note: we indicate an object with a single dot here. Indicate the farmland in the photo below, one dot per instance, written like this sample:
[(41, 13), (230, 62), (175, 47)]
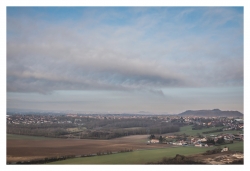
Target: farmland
[(188, 130), (136, 157), (22, 148), (112, 140), (28, 148), (143, 156)]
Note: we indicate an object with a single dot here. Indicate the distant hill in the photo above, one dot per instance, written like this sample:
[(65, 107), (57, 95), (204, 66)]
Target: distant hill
[(211, 113)]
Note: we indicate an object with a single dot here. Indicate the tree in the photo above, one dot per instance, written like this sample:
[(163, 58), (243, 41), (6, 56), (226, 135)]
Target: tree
[(184, 137), (220, 140), (152, 136), (199, 135), (210, 141), (160, 139)]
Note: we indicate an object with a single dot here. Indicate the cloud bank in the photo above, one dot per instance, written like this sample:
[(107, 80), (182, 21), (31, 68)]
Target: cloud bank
[(123, 49)]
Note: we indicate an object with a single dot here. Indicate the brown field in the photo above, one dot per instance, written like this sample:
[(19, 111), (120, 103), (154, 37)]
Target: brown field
[(28, 149)]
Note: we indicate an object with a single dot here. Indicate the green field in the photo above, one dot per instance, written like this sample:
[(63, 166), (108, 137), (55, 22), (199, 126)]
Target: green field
[(72, 130), (188, 131), (26, 137), (144, 156), (233, 132), (236, 146)]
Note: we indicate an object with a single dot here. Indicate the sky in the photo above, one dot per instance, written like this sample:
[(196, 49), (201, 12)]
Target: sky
[(158, 60)]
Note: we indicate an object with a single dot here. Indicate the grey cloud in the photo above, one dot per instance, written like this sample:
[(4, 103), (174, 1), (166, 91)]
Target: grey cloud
[(43, 58), (83, 73)]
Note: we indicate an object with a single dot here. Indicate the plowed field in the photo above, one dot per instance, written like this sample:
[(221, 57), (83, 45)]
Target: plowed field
[(23, 149)]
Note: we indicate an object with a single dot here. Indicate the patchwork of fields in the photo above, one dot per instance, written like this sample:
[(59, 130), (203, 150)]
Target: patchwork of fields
[(23, 148), (144, 156)]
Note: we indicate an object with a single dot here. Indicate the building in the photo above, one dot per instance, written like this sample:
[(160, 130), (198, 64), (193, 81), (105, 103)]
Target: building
[(154, 141), (225, 149)]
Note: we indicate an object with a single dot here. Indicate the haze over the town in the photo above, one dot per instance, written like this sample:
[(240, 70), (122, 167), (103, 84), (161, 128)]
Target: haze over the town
[(125, 60)]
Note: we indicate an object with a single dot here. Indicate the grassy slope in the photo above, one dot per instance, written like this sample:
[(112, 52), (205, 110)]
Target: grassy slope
[(144, 156), (188, 130), (236, 146)]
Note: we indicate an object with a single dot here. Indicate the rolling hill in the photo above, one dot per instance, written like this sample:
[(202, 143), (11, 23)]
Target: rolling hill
[(211, 113)]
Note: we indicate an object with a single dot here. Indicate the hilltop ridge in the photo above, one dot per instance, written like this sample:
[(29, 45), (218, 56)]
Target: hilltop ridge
[(211, 113)]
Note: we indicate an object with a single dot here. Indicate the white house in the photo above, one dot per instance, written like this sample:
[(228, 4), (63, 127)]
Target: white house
[(203, 139), (198, 145), (154, 141), (224, 149)]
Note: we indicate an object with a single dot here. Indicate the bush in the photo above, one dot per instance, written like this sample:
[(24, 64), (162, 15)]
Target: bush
[(214, 151), (178, 159)]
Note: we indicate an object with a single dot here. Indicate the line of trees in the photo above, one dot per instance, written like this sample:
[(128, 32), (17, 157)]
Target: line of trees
[(112, 133), (95, 128), (212, 131), (58, 158), (213, 151), (178, 159), (47, 132)]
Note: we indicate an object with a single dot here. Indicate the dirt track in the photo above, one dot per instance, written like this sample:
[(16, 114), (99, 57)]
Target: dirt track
[(34, 149)]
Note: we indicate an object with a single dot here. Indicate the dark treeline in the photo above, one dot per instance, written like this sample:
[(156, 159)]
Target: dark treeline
[(200, 127), (113, 133), (178, 159), (58, 158), (214, 151), (212, 131), (48, 130), (88, 127), (121, 123)]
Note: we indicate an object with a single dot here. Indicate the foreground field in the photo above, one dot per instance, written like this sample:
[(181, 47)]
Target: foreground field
[(23, 148), (135, 157), (144, 156)]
